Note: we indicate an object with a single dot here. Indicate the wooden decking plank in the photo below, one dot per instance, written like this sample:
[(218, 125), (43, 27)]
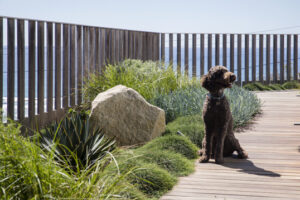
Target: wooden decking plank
[(273, 168)]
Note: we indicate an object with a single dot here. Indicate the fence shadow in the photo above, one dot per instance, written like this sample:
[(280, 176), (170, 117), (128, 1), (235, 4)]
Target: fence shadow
[(247, 166)]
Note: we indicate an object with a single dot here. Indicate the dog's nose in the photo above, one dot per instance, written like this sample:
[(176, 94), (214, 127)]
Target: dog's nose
[(232, 77)]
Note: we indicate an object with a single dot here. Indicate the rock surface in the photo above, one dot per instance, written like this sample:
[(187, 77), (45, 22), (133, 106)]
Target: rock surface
[(124, 114)]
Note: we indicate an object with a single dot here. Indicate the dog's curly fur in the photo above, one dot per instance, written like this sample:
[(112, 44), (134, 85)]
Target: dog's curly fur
[(219, 139)]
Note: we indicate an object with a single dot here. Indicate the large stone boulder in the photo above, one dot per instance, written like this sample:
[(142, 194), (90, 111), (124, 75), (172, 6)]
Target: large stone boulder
[(124, 114)]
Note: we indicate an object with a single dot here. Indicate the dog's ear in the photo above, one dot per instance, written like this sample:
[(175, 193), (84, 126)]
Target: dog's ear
[(205, 82)]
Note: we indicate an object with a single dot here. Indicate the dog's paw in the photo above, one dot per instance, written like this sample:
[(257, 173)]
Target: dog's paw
[(243, 155), (204, 159), (219, 160)]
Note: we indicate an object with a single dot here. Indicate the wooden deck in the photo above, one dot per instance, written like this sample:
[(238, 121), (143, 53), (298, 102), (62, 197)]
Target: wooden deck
[(273, 168)]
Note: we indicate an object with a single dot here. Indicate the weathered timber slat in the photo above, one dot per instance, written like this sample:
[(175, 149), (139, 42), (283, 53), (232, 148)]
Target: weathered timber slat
[(171, 50), (85, 52), (79, 65), (232, 53), (261, 58), (194, 59), (57, 66), (239, 59), (209, 53), (49, 67), (66, 63), (186, 53), (72, 65), (281, 59), (275, 64), (21, 70), (217, 49), (288, 58), (102, 50), (253, 64), (179, 53), (162, 47), (268, 60), (41, 67), (31, 65), (1, 65), (295, 57), (10, 67), (246, 58), (97, 50), (225, 50), (91, 50), (202, 54)]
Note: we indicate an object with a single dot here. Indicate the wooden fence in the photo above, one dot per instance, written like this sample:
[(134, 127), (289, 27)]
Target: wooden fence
[(54, 79), (265, 58), (43, 64)]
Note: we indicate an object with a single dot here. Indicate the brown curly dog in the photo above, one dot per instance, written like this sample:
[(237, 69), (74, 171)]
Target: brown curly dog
[(219, 139)]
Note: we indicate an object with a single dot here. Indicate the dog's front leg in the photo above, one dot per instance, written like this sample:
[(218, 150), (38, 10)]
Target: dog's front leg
[(206, 145), (219, 159)]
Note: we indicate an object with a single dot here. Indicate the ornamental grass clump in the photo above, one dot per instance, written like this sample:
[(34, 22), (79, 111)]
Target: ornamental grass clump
[(175, 143), (75, 143)]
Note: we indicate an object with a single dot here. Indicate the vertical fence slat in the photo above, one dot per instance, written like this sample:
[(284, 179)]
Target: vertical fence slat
[(72, 65), (122, 46), (31, 75), (171, 50), (117, 46), (57, 66), (10, 67), (268, 60), (281, 58), (140, 45), (202, 54), (86, 52), (225, 50), (295, 57), (253, 65), (232, 52), (49, 67), (186, 53), (261, 58), (130, 45), (102, 50), (1, 65), (162, 47), (126, 46), (41, 68), (79, 65), (288, 55), (145, 46), (239, 59), (179, 53), (217, 49), (91, 49), (107, 45), (112, 47), (97, 50), (194, 55), (66, 65), (209, 54), (157, 46), (275, 59), (21, 70), (246, 58)]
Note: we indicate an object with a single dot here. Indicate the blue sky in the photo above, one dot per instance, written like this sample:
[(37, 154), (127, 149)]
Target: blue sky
[(210, 16)]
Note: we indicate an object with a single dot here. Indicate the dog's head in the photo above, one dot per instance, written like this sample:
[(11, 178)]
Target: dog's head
[(217, 78)]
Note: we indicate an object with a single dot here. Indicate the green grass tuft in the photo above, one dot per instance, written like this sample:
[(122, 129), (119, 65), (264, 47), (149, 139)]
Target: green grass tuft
[(175, 143), (174, 163), (291, 85), (190, 126)]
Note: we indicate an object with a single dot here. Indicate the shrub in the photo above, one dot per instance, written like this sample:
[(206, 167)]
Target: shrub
[(152, 180), (291, 85), (276, 87), (182, 102), (256, 87), (75, 143), (174, 163), (243, 104), (175, 143), (190, 126)]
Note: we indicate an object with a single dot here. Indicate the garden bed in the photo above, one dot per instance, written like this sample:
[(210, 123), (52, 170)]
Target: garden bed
[(143, 172)]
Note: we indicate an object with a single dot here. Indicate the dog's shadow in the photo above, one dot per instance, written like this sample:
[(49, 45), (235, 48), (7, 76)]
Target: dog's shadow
[(248, 167)]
